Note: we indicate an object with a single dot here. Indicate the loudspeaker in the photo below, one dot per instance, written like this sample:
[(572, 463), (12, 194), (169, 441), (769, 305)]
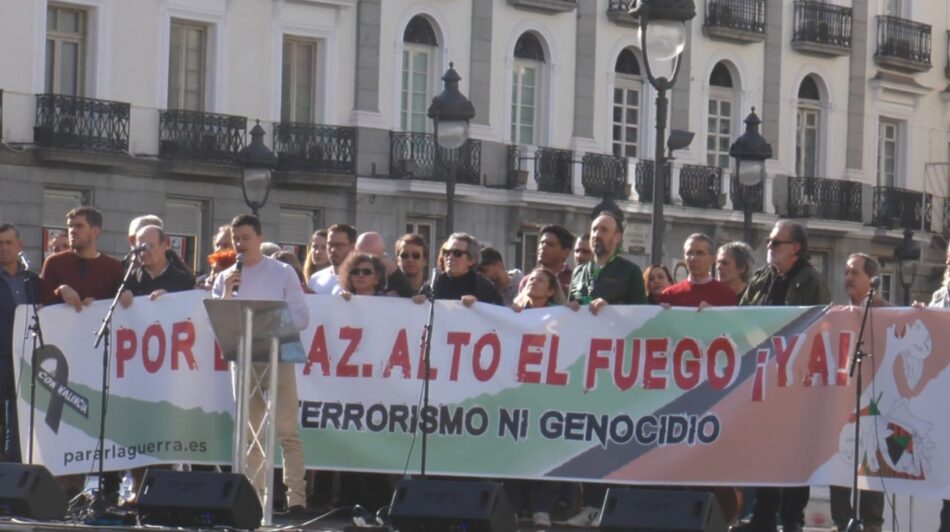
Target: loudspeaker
[(440, 505), (634, 510), (30, 491), (199, 499)]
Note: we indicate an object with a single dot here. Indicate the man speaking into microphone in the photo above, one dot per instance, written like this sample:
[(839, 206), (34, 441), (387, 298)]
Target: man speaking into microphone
[(264, 278), (155, 275)]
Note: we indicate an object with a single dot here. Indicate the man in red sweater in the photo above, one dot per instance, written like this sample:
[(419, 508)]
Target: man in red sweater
[(700, 286), (81, 274)]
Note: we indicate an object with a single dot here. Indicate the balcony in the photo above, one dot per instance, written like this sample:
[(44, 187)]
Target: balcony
[(643, 183), (417, 156), (903, 44), (605, 176), (553, 169), (898, 208), (822, 28), (81, 123), (740, 21), (1, 114), (828, 199), (743, 195), (546, 6), (315, 148), (701, 186), (200, 136), (946, 67), (618, 11)]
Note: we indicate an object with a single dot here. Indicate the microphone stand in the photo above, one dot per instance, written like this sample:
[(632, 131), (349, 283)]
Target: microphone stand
[(37, 332), (855, 524), (99, 504), (427, 348)]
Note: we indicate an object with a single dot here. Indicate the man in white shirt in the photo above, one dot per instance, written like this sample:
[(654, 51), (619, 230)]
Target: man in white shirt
[(341, 239), (266, 278)]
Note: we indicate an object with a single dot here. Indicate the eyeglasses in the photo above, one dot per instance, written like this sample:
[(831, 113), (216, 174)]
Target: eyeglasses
[(406, 255), (774, 243), (361, 271), (457, 253), (582, 251)]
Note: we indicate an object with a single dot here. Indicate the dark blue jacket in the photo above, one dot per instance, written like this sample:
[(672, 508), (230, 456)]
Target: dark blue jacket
[(8, 310)]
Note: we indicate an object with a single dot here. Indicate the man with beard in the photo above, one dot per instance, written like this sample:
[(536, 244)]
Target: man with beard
[(341, 239), (788, 279), (412, 258), (608, 278), (81, 275), (858, 272)]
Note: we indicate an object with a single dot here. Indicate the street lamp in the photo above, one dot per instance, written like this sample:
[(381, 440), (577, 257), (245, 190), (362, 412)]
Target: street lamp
[(907, 255), (450, 112), (662, 36), (259, 164), (750, 151)]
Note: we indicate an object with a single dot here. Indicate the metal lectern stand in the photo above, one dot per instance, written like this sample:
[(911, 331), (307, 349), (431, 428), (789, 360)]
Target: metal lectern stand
[(250, 333)]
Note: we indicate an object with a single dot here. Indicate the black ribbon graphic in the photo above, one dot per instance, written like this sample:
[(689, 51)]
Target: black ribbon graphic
[(57, 382)]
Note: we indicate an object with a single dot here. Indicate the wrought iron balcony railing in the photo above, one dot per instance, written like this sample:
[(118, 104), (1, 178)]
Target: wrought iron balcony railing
[(200, 136), (605, 176), (550, 6), (822, 27), (903, 44), (1, 114), (701, 186), (619, 12), (315, 148), (735, 20), (418, 156), (829, 199), (553, 169), (81, 123), (742, 195), (899, 208), (946, 68), (643, 182)]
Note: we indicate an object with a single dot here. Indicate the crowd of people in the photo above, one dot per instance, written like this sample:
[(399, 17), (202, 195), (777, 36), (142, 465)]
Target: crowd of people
[(341, 261)]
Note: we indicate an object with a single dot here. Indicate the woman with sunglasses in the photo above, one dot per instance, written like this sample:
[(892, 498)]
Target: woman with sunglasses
[(362, 274), (458, 279)]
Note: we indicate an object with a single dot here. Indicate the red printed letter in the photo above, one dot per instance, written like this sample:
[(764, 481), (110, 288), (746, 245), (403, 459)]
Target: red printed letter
[(625, 381), (153, 331), (653, 363), (353, 335), (555, 377), (183, 341), (530, 355), (125, 344), (456, 340), (687, 369), (596, 360), (785, 355), (724, 346), (485, 373), (399, 356), (318, 354)]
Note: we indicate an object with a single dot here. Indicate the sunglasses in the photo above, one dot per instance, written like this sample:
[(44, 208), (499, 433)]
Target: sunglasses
[(406, 255), (774, 243), (457, 253), (361, 271)]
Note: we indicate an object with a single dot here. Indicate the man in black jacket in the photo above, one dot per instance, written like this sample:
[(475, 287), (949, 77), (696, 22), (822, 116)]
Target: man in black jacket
[(608, 278), (18, 286), (458, 278), (155, 275)]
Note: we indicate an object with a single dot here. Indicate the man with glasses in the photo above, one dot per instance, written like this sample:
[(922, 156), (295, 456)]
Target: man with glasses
[(700, 287), (341, 239), (458, 278), (787, 279), (372, 243), (582, 251), (412, 258)]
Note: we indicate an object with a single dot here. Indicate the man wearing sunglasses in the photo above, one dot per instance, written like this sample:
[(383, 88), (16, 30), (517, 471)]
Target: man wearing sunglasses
[(458, 278), (412, 258), (787, 279)]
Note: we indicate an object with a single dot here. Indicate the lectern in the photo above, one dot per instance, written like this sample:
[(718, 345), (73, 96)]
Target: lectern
[(255, 335)]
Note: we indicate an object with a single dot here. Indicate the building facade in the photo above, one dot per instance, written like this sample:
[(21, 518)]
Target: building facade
[(144, 107)]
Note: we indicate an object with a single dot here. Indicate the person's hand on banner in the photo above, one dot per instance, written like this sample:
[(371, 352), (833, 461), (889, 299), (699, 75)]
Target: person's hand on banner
[(126, 299), (70, 297), (157, 294), (346, 295), (597, 304), (573, 305), (468, 301)]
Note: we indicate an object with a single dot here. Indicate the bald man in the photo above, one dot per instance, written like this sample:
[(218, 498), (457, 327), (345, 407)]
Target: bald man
[(373, 244), (155, 275)]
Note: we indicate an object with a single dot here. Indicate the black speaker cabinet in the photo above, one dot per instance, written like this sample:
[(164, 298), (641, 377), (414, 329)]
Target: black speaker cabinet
[(30, 491), (634, 510), (440, 505), (199, 499)]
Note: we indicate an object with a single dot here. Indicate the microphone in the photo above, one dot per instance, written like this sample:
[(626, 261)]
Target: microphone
[(23, 261), (876, 282), (432, 276), (141, 248), (239, 265)]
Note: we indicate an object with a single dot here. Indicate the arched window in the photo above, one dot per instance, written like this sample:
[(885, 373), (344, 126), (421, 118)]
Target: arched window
[(625, 122), (526, 89), (807, 128), (719, 133), (418, 64)]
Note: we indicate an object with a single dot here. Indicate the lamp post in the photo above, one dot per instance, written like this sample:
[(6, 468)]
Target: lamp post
[(259, 164), (750, 151), (662, 36), (907, 255), (450, 112)]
